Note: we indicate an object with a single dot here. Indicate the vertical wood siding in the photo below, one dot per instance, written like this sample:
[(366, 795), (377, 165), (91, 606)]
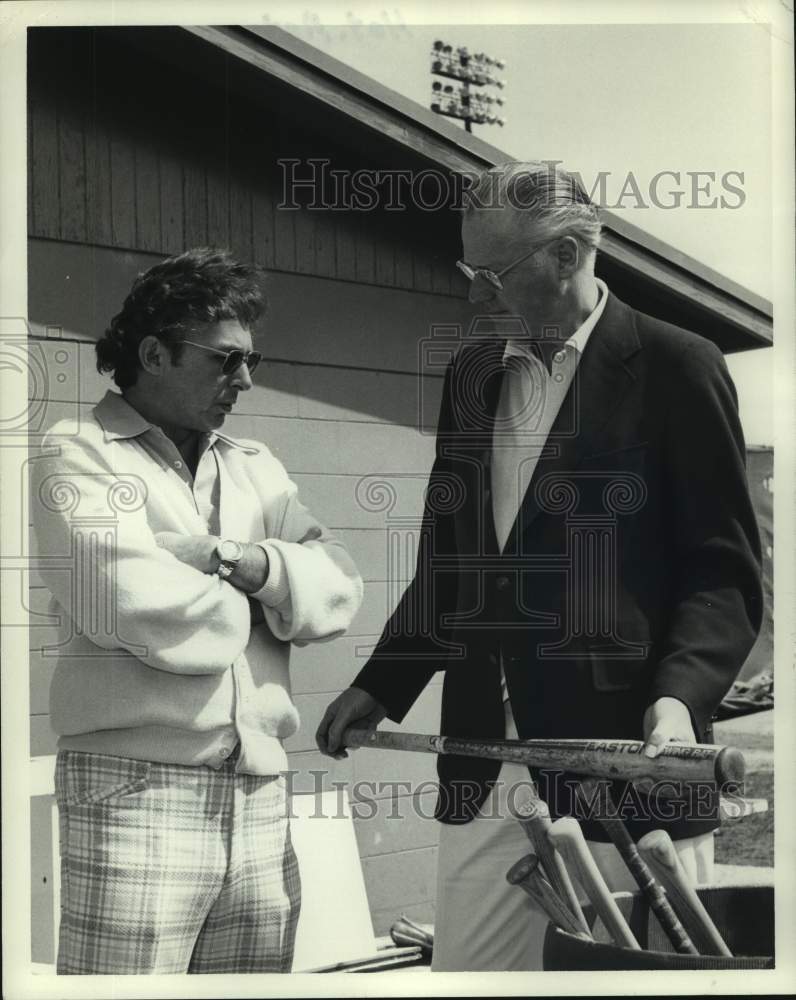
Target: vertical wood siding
[(108, 166)]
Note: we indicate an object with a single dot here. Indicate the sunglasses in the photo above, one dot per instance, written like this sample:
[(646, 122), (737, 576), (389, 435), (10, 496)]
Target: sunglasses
[(232, 359), (493, 277)]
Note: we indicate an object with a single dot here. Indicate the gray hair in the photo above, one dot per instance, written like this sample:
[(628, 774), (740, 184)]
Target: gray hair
[(551, 201)]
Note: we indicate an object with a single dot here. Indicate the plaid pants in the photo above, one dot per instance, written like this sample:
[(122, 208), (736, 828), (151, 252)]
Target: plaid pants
[(171, 868)]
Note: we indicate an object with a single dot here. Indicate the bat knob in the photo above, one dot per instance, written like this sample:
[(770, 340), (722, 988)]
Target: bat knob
[(730, 767), (529, 807), (521, 869)]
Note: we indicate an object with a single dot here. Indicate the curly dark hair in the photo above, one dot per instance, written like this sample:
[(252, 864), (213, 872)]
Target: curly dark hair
[(175, 298)]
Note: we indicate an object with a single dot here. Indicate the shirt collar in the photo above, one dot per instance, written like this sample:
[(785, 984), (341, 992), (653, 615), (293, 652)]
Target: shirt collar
[(579, 338), (120, 420), (225, 439)]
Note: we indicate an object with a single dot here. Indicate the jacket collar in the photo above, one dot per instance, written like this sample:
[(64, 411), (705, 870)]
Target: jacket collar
[(602, 381), (579, 338), (118, 419), (121, 421), (609, 344)]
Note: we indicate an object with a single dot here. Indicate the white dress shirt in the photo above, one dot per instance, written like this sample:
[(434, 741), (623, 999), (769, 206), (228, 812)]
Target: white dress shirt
[(530, 398)]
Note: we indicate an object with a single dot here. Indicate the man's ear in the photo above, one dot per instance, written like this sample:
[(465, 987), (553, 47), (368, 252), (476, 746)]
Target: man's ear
[(152, 355), (568, 256)]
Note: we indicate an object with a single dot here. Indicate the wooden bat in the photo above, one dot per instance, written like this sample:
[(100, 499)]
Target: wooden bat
[(526, 873), (567, 836), (620, 759), (534, 817), (650, 887), (660, 854)]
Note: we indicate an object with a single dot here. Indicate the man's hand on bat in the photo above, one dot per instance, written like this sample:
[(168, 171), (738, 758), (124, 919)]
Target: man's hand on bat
[(666, 720), (352, 707)]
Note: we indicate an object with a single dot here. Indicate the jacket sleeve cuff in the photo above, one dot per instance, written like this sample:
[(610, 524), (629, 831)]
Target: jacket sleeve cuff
[(276, 588), (396, 702), (700, 712)]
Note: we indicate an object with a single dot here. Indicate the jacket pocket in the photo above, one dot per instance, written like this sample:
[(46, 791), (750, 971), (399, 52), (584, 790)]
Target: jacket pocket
[(83, 779)]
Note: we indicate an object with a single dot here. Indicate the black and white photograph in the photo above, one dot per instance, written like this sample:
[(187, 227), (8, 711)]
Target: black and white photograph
[(393, 575)]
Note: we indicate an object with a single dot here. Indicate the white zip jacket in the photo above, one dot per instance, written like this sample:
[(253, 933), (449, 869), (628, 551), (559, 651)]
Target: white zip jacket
[(154, 659)]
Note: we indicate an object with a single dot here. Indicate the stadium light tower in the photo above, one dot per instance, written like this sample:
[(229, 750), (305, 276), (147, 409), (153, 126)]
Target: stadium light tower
[(469, 70)]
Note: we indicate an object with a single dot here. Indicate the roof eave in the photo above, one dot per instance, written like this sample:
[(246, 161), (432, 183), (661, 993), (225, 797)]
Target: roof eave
[(319, 76)]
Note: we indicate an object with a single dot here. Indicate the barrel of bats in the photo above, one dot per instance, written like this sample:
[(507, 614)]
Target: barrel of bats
[(623, 760), (743, 914)]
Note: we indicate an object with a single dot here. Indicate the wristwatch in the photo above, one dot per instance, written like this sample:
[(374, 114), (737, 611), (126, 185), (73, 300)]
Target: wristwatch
[(229, 555)]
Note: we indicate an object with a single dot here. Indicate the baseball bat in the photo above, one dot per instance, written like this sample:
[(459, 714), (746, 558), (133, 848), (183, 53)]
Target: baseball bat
[(660, 854), (567, 836), (650, 887), (406, 932), (534, 817), (620, 759), (526, 874)]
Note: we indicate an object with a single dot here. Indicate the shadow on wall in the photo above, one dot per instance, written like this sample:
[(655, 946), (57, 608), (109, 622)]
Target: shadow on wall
[(334, 349)]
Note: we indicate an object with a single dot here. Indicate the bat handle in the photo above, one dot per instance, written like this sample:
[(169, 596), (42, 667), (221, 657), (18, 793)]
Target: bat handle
[(651, 889), (559, 879), (660, 853)]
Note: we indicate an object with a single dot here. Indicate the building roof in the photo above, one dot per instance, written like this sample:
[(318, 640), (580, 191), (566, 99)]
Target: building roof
[(651, 270)]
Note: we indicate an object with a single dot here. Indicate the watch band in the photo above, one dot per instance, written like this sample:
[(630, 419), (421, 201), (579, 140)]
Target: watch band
[(225, 570), (229, 555)]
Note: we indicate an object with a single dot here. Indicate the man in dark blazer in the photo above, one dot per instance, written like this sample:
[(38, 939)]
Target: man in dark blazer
[(589, 559)]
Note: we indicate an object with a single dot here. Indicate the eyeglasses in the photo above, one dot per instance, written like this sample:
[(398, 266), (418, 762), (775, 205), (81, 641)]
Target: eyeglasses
[(493, 277), (232, 359)]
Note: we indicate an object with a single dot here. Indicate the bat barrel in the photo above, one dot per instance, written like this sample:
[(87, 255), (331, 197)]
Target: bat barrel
[(599, 758), (660, 853)]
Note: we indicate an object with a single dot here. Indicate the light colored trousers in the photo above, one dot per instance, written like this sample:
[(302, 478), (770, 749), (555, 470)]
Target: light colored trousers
[(167, 868), (481, 922)]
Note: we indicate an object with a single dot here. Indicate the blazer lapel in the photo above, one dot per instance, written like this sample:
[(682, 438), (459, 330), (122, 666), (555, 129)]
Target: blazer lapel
[(476, 390), (479, 369), (601, 382)]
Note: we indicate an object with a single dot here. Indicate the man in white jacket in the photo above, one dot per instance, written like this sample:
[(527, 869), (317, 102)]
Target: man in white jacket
[(194, 567)]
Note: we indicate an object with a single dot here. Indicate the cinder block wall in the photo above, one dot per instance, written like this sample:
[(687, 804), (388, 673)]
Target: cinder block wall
[(116, 181)]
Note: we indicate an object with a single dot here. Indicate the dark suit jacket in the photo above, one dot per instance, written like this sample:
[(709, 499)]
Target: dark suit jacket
[(632, 571)]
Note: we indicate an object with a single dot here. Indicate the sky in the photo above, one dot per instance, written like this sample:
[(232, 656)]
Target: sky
[(624, 99), (585, 86)]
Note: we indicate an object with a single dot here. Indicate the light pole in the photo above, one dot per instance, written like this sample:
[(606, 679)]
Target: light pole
[(470, 70)]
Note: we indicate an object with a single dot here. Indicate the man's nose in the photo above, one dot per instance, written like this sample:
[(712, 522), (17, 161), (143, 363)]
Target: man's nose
[(242, 379)]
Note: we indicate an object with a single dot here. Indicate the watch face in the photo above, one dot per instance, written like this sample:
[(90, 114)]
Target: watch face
[(229, 551)]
